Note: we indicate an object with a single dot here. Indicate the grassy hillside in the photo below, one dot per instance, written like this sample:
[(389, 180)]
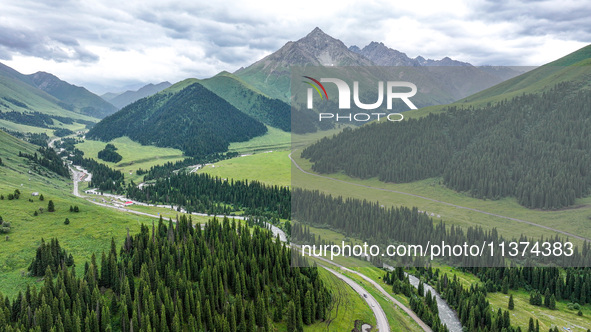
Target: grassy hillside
[(574, 68), (248, 99), (89, 231), (18, 94), (77, 97), (273, 165)]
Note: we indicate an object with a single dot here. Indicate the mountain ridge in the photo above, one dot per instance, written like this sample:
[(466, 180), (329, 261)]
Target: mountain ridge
[(123, 99), (79, 97), (194, 120)]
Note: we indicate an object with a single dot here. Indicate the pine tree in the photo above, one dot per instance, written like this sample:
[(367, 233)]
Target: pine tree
[(511, 303), (291, 317), (531, 327), (552, 304), (50, 206)]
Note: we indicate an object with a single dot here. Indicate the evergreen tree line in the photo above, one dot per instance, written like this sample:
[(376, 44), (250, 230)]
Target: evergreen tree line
[(158, 171), (547, 285), (103, 177), (61, 132), (424, 304), (49, 159), (34, 119), (472, 307), (198, 192), (37, 119), (501, 279), (40, 139), (224, 277), (534, 147), (383, 226), (49, 256), (178, 121)]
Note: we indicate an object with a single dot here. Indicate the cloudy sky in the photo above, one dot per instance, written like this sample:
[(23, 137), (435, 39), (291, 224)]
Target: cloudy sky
[(109, 45)]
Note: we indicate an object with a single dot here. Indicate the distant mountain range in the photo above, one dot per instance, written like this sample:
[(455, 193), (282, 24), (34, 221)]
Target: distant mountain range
[(123, 99), (260, 91), (381, 55), (272, 73), (45, 93)]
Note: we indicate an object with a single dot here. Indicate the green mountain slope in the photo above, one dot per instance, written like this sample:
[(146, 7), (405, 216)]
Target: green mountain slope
[(251, 101), (533, 146), (187, 117), (79, 98), (574, 68), (18, 95)]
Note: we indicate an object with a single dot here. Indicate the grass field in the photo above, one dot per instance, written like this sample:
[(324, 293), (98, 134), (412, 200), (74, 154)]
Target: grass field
[(273, 165), (274, 139), (347, 306), (89, 231), (135, 155), (272, 168), (573, 220)]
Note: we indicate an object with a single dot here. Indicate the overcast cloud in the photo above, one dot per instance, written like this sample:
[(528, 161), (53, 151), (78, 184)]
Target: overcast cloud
[(113, 45)]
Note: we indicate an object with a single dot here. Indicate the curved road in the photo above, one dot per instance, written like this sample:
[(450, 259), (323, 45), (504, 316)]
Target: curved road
[(438, 201), (379, 287), (381, 319)]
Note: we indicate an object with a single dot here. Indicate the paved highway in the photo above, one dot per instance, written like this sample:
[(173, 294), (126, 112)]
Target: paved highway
[(381, 319)]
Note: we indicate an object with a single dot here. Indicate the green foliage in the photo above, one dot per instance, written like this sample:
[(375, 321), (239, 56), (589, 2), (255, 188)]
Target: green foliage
[(511, 304), (62, 132), (271, 111), (204, 193), (226, 272), (488, 152), (49, 257), (71, 96), (4, 226), (177, 121), (49, 159), (109, 153), (41, 198), (35, 119), (169, 168), (50, 206), (67, 221), (385, 225)]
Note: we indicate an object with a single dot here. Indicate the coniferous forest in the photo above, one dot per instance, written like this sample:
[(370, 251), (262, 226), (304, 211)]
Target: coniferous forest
[(534, 148), (383, 226), (200, 192), (175, 278), (194, 120)]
